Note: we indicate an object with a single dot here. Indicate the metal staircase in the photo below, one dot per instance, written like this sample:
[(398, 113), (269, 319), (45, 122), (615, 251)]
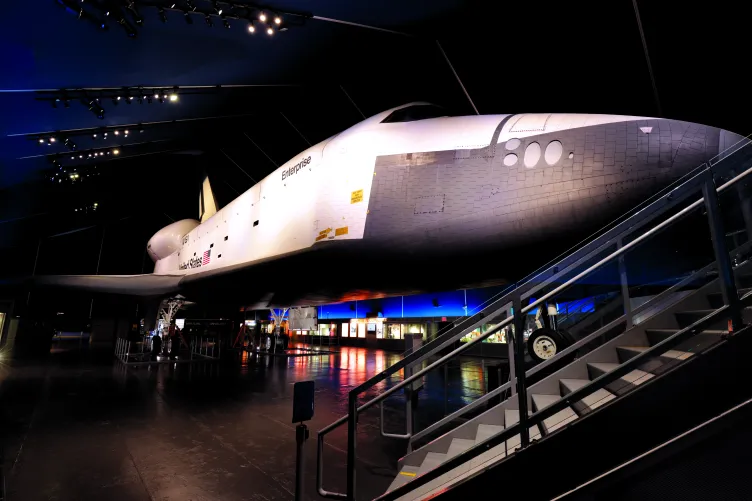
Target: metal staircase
[(630, 339)]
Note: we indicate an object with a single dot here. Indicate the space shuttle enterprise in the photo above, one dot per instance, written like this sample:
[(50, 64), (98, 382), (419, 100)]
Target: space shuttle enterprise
[(411, 200)]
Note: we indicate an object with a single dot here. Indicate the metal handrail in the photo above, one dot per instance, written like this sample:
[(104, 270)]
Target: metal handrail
[(649, 212), (568, 350), (571, 398)]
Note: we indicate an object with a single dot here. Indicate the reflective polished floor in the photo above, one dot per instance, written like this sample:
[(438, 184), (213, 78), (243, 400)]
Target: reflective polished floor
[(78, 426)]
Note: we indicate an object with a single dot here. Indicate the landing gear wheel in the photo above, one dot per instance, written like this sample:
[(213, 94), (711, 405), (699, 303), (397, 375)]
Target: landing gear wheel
[(544, 343)]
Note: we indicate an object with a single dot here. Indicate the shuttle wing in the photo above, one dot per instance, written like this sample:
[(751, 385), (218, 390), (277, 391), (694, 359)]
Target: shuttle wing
[(132, 285)]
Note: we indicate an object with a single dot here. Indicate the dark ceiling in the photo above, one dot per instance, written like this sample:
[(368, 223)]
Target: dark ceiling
[(279, 93)]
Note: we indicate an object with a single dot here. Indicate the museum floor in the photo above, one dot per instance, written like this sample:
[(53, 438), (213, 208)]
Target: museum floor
[(78, 427)]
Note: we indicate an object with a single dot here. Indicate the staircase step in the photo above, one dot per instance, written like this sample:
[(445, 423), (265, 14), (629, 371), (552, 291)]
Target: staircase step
[(687, 318), (625, 383), (512, 417), (663, 362), (561, 418), (590, 402), (716, 299), (487, 430), (458, 446), (406, 474), (432, 460), (694, 344)]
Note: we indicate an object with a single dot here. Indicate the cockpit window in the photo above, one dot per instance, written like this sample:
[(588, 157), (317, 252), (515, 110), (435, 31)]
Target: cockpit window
[(416, 112)]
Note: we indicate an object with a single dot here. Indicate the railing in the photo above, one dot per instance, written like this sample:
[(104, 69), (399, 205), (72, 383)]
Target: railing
[(609, 248)]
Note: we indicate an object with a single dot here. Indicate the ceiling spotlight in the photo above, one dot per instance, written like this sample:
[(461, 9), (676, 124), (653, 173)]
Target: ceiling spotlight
[(209, 21), (72, 158), (95, 108), (52, 139), (156, 95), (277, 20), (173, 5), (105, 135), (115, 152), (251, 28), (41, 141), (262, 17), (94, 136), (270, 31), (80, 156), (126, 132), (173, 97), (117, 132), (107, 13)]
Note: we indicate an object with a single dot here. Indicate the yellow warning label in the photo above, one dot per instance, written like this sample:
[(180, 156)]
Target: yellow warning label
[(356, 196), (324, 232), (340, 231), (407, 473), (320, 237)]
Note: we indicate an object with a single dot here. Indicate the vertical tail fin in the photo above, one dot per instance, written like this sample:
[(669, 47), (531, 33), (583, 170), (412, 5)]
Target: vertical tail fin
[(207, 205)]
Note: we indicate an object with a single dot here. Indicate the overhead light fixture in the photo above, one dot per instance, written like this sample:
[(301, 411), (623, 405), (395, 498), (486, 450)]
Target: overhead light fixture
[(270, 31), (105, 135), (262, 17), (41, 141), (126, 132), (117, 132), (173, 5), (95, 108), (173, 97), (52, 139), (156, 95), (277, 20), (251, 28), (94, 136), (116, 152)]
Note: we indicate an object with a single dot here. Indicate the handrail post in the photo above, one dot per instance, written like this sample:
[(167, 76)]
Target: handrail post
[(718, 236), (519, 368), (624, 287), (510, 361), (352, 431)]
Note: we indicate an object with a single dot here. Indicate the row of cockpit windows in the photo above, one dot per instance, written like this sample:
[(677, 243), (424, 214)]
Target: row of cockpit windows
[(533, 153)]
